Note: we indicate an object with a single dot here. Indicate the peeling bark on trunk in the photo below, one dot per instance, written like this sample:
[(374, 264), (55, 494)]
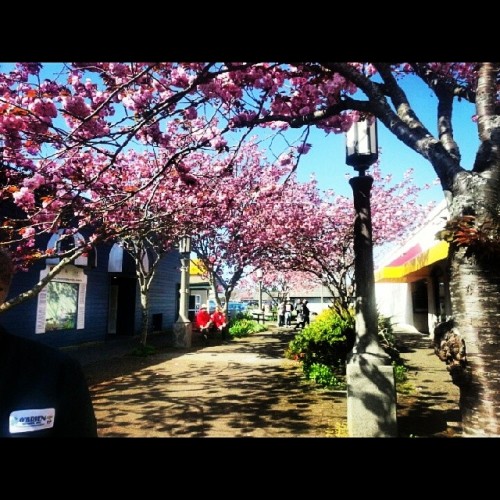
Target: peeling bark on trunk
[(475, 290), (475, 293)]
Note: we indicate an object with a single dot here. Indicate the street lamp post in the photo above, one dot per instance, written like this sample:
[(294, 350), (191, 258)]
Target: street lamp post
[(260, 275), (182, 327), (371, 394)]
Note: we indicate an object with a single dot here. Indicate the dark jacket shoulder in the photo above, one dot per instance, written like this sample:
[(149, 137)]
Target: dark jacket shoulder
[(34, 376)]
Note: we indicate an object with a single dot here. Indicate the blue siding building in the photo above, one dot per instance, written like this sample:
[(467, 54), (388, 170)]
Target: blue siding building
[(94, 300)]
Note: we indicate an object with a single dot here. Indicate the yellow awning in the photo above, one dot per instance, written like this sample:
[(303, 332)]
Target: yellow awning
[(424, 259), (196, 267)]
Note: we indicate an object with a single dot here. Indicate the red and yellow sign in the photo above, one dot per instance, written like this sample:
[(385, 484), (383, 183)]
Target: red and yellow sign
[(412, 264)]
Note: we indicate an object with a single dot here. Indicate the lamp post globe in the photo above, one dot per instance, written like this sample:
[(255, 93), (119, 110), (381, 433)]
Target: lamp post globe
[(362, 145)]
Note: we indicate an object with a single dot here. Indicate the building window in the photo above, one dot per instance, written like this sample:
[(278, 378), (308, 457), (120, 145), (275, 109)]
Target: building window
[(194, 306), (115, 263), (59, 244), (62, 306), (197, 302), (61, 303)]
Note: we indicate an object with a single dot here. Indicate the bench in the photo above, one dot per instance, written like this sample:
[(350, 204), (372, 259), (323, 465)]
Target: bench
[(258, 316)]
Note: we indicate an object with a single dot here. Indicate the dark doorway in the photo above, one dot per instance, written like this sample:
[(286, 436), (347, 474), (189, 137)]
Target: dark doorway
[(177, 300), (122, 299), (192, 307), (419, 297)]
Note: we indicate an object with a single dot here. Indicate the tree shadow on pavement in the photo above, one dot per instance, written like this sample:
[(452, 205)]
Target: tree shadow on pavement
[(431, 408), (245, 389)]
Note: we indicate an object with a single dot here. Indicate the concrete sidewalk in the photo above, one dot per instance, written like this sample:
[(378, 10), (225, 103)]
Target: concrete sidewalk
[(431, 408), (247, 388)]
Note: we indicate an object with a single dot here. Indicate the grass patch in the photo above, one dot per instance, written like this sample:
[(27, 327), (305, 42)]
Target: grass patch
[(406, 388), (144, 351)]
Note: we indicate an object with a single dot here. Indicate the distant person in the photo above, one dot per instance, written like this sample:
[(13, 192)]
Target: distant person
[(298, 305), (299, 318), (203, 322), (306, 312), (303, 314), (43, 391), (288, 313), (281, 313), (219, 320)]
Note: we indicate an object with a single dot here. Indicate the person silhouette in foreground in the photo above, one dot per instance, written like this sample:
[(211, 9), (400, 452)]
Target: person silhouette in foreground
[(43, 392)]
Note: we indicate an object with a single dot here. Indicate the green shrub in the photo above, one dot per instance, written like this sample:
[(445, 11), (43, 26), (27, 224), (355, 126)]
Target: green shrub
[(389, 343), (401, 379), (400, 373), (238, 316), (324, 376), (327, 340), (243, 327), (322, 347)]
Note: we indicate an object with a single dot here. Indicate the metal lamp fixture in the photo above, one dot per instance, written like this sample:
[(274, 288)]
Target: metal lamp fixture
[(185, 244), (361, 152), (362, 145)]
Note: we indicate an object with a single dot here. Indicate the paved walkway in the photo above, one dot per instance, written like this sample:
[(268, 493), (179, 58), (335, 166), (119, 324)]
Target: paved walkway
[(431, 408), (246, 388)]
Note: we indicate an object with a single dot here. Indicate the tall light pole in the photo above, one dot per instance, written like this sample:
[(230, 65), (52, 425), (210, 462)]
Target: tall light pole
[(183, 330), (260, 275), (371, 394)]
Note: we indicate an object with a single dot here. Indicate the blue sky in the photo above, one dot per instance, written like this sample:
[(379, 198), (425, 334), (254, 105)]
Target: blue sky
[(326, 158)]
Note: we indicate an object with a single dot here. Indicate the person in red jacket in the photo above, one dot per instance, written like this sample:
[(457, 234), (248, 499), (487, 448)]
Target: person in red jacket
[(203, 322), (219, 320)]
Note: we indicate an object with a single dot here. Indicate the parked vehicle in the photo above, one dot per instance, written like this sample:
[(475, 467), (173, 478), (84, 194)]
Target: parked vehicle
[(234, 308), (211, 305)]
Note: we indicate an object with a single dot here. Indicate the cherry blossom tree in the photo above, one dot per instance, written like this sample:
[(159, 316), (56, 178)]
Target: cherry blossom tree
[(64, 143), (230, 239), (311, 232), (330, 96), (95, 111), (278, 284), (262, 217), (148, 218)]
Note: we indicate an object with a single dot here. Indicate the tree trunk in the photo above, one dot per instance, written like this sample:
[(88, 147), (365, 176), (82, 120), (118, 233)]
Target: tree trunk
[(475, 290), (144, 314)]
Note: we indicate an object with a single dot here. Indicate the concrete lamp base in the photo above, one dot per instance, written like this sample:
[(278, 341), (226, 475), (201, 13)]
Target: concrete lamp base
[(371, 400), (183, 333)]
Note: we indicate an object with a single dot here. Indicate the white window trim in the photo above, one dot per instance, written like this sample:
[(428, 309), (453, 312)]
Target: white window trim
[(70, 274)]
